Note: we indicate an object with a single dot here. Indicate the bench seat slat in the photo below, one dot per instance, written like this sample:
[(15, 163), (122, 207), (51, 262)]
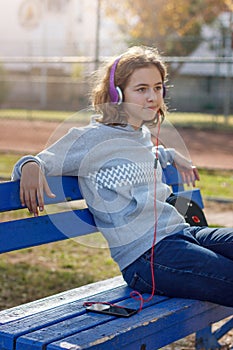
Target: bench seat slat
[(50, 322), (175, 318), (167, 313), (87, 321), (45, 229), (47, 303), (83, 321), (61, 314)]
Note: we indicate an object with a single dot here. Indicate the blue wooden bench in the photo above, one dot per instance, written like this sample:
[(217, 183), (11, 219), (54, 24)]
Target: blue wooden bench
[(61, 321)]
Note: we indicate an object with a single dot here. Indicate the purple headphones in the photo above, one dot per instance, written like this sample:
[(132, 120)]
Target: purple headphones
[(115, 92)]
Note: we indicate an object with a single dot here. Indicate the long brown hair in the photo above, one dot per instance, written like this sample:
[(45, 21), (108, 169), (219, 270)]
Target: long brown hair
[(134, 58)]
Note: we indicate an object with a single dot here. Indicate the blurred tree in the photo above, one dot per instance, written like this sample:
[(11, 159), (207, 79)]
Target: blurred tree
[(174, 26)]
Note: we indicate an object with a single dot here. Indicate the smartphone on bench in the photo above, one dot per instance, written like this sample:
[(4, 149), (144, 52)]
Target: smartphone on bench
[(119, 311)]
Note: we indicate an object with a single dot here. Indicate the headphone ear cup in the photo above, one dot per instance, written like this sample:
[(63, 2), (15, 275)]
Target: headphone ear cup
[(120, 95), (116, 95)]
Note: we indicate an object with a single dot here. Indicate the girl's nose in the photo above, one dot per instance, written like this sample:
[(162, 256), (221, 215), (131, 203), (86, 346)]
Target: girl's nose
[(151, 95)]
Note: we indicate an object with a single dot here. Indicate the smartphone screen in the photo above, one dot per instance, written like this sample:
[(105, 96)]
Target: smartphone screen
[(111, 310)]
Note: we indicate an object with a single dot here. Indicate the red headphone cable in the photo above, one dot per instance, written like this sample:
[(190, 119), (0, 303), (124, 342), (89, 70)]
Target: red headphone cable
[(135, 294)]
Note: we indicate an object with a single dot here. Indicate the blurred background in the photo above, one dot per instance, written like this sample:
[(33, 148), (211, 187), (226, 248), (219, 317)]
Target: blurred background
[(49, 48), (48, 52)]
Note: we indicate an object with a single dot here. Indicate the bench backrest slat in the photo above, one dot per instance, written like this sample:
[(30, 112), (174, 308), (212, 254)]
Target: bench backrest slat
[(31, 232), (173, 178), (66, 188)]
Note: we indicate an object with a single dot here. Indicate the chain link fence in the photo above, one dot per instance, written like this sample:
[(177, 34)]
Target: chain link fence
[(199, 85)]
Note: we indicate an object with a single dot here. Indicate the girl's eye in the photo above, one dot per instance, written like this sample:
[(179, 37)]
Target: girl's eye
[(142, 89), (158, 88)]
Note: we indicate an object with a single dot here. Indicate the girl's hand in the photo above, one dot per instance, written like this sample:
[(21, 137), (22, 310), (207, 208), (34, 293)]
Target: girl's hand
[(188, 172), (32, 186)]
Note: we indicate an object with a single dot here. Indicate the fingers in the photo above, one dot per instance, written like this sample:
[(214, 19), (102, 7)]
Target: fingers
[(187, 177), (47, 189), (196, 173), (29, 199), (188, 172), (190, 176), (33, 199), (32, 186), (40, 198)]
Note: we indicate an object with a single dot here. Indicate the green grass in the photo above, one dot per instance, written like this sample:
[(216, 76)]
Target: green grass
[(7, 161), (52, 268), (196, 120), (43, 115), (34, 114), (216, 183), (201, 121)]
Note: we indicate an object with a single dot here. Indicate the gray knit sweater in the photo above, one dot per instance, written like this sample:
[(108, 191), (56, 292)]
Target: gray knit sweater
[(117, 177)]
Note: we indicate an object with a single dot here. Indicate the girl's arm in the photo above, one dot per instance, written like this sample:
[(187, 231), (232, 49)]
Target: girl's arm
[(61, 158), (188, 172)]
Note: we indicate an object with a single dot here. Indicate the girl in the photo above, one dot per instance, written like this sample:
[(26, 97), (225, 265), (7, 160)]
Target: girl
[(120, 176)]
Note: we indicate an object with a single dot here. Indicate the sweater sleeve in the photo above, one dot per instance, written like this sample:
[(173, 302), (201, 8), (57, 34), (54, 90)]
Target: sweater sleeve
[(165, 155), (61, 158)]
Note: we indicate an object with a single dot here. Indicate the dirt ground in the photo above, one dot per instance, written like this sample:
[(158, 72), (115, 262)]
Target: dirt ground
[(209, 149)]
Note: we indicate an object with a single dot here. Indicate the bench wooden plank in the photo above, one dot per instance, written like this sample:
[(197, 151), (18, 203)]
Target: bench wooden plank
[(83, 321), (63, 318), (154, 327), (49, 314), (65, 187), (173, 178), (165, 314), (79, 321), (45, 229)]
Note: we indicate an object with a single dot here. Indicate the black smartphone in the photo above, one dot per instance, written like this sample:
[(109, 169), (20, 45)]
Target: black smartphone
[(111, 310)]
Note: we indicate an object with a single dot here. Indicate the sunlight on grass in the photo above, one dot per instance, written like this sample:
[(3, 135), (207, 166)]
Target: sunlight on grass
[(7, 161), (197, 120), (216, 183), (43, 115), (37, 272), (201, 121)]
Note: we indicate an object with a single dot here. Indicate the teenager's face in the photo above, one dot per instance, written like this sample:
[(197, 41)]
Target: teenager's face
[(143, 95)]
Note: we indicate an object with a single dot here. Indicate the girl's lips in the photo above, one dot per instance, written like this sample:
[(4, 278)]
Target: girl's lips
[(153, 108)]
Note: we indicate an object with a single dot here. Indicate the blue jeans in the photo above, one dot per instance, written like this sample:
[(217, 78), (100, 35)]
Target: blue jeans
[(195, 264)]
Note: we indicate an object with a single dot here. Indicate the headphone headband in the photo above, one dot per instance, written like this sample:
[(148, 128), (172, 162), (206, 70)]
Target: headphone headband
[(115, 92)]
